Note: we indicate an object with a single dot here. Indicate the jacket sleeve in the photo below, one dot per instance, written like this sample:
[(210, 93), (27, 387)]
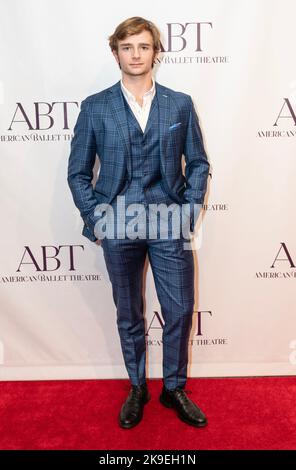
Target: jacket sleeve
[(80, 168), (197, 166)]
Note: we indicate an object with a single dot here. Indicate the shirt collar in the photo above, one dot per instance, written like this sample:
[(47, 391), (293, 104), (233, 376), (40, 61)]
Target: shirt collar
[(130, 96)]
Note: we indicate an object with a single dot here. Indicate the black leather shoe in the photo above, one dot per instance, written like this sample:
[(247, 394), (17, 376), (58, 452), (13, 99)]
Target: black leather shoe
[(187, 410), (131, 411)]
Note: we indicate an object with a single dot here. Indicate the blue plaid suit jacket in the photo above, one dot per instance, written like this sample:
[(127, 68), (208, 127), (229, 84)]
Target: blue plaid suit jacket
[(102, 129)]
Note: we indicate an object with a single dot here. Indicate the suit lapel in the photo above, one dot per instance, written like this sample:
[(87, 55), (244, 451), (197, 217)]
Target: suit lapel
[(119, 115), (164, 103)]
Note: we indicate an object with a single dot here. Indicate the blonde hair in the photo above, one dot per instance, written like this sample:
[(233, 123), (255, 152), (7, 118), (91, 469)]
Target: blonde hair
[(134, 25)]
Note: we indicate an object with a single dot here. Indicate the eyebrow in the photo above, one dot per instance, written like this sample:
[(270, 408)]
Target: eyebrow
[(140, 44)]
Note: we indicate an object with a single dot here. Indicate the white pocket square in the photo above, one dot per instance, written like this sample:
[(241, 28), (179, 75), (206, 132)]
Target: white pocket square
[(173, 126)]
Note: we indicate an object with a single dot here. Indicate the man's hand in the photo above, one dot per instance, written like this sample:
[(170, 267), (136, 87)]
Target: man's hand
[(98, 242)]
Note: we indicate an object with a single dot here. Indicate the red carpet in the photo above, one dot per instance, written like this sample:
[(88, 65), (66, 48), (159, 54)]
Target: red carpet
[(243, 413)]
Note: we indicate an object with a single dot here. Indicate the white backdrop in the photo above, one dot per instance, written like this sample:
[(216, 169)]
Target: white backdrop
[(235, 58)]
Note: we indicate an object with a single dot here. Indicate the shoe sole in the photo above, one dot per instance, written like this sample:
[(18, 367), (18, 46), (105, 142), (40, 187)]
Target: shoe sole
[(132, 425), (169, 405)]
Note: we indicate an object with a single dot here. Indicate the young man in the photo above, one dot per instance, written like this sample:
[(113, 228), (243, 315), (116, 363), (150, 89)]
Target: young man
[(140, 130)]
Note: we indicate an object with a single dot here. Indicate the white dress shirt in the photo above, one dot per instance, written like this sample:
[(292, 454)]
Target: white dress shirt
[(141, 112)]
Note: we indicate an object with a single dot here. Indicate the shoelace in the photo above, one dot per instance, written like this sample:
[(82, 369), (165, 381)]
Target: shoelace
[(181, 394)]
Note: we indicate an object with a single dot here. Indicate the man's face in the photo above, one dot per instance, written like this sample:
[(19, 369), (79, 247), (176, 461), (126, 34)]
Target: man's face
[(136, 54)]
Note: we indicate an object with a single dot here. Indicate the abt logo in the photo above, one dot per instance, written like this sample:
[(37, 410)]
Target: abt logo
[(179, 35), (50, 257), (41, 118), (287, 256), (158, 324), (286, 108)]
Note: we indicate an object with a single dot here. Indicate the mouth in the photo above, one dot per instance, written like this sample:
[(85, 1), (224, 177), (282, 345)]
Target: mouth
[(136, 65)]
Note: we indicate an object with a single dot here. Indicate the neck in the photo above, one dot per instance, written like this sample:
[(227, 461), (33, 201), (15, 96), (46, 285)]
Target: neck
[(137, 85)]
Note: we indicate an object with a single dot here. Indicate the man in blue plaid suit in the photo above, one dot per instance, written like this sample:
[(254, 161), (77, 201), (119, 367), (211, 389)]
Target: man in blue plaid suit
[(140, 130)]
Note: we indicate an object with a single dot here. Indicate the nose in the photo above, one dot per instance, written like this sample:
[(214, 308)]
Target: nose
[(136, 53)]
